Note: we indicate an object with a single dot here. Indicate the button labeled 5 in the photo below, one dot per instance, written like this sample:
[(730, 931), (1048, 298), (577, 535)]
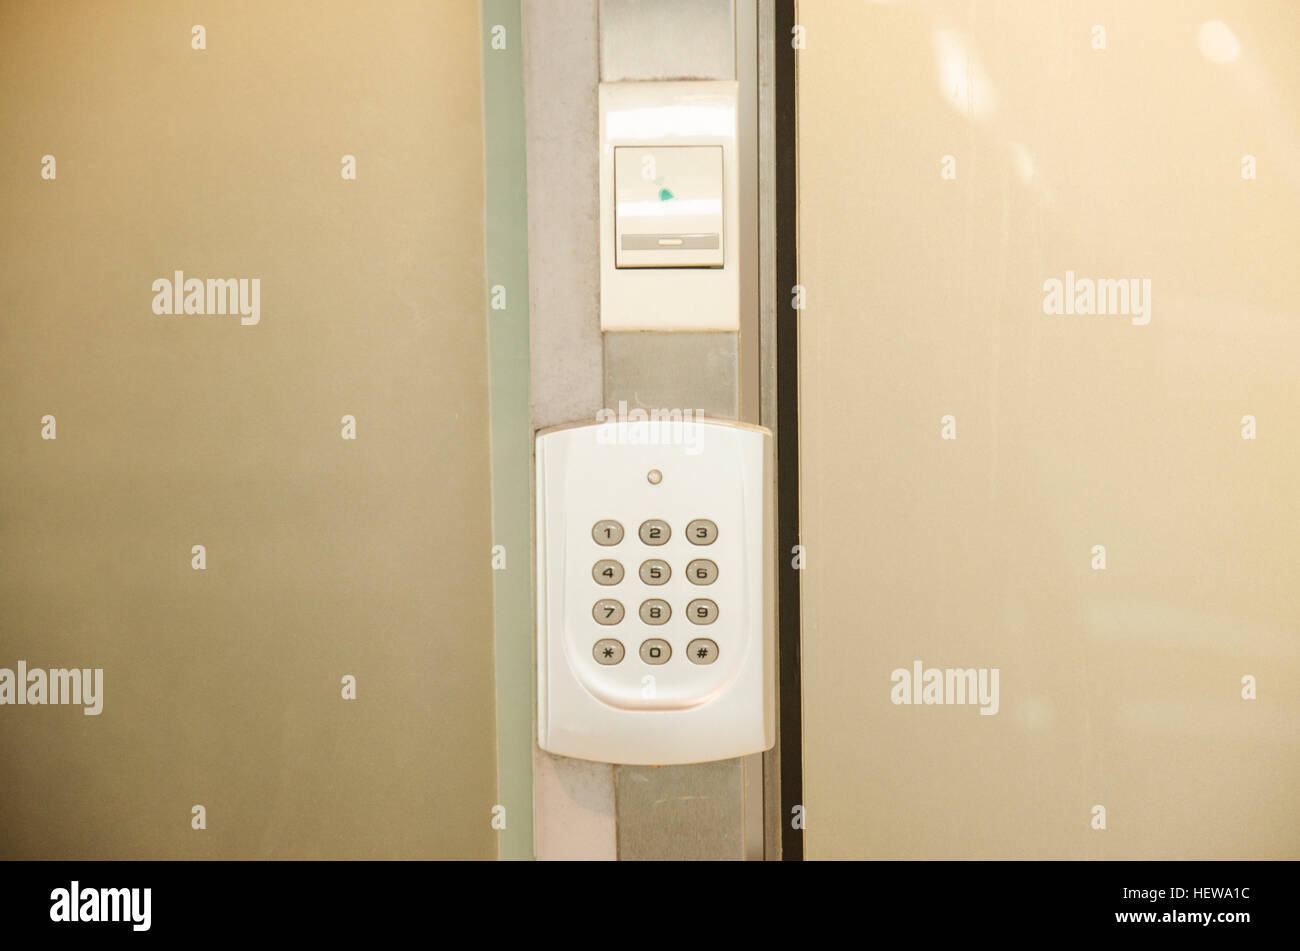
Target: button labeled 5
[(655, 571)]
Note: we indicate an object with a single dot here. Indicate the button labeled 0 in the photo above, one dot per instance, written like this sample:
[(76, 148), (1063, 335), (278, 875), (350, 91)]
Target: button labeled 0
[(656, 651)]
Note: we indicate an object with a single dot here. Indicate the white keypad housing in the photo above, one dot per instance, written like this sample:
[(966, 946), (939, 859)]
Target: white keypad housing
[(655, 615)]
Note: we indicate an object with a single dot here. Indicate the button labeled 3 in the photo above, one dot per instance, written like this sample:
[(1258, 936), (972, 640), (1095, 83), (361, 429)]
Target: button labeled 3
[(702, 531)]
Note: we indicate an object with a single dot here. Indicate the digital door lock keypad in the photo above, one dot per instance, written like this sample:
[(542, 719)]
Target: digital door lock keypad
[(655, 626), (653, 611)]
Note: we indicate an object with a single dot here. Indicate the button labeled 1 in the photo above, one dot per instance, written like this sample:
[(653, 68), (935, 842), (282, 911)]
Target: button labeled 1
[(607, 532)]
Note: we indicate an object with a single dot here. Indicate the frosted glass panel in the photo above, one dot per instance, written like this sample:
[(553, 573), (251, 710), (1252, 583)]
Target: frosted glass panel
[(1050, 410), (332, 153)]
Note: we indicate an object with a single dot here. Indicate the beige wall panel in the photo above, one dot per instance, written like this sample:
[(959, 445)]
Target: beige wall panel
[(325, 557), (1119, 687)]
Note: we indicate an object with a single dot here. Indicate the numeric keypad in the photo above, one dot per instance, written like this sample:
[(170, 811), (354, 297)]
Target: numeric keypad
[(652, 573)]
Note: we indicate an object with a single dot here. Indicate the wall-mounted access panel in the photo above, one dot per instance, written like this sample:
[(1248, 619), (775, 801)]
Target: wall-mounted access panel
[(655, 624)]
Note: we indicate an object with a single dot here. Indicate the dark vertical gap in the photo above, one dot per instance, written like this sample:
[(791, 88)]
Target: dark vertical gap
[(787, 433)]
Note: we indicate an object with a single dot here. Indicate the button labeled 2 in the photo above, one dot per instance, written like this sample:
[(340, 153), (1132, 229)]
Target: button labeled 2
[(655, 531)]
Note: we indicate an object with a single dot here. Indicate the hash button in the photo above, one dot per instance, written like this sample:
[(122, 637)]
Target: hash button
[(702, 651)]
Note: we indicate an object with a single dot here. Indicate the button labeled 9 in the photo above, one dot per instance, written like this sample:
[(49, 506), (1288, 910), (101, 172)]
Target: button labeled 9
[(702, 611)]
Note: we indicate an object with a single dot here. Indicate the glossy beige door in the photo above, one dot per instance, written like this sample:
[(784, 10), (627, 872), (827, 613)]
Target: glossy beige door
[(324, 557), (1100, 501)]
